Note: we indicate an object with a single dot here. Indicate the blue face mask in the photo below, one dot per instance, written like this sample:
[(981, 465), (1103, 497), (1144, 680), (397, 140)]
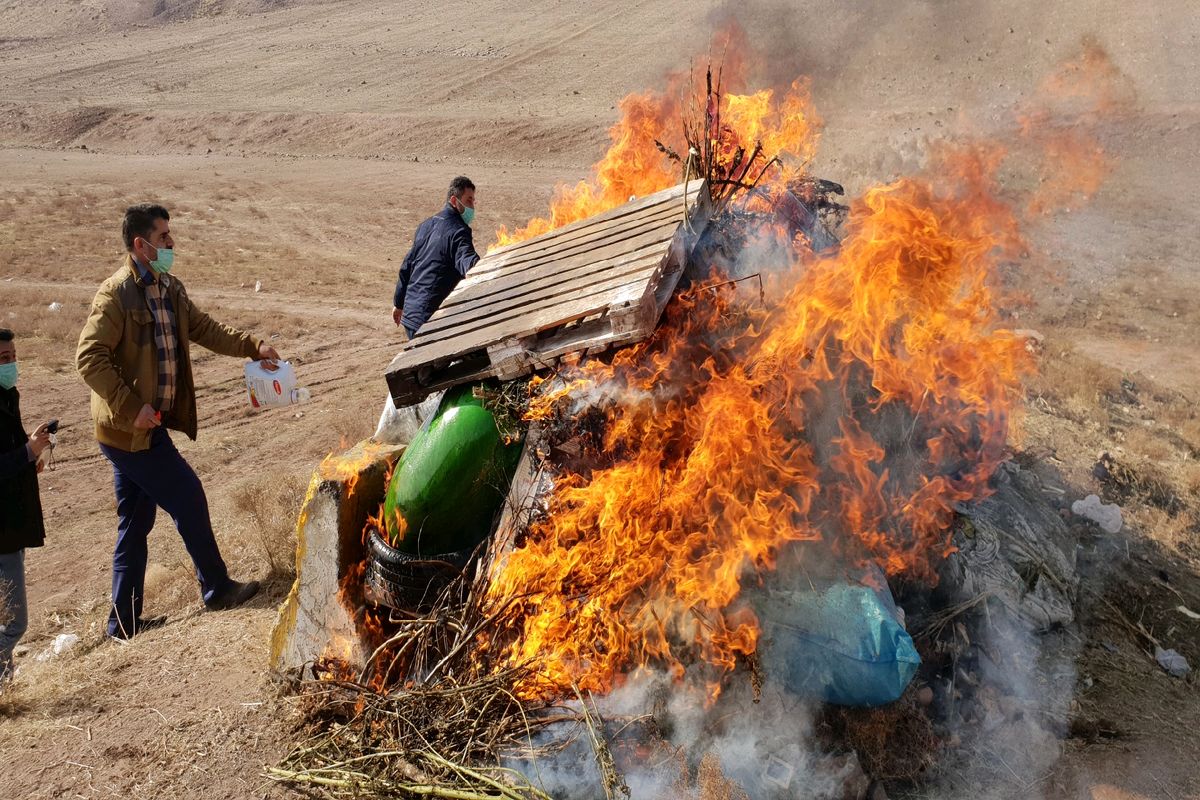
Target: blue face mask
[(8, 375)]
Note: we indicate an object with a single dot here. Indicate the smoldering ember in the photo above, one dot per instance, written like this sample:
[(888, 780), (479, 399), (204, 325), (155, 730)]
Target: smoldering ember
[(704, 486), (780, 457)]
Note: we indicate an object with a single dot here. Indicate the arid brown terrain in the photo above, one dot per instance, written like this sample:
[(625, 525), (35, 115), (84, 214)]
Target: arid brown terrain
[(298, 143)]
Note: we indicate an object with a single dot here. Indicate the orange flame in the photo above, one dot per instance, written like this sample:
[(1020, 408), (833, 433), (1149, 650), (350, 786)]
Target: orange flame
[(349, 465), (871, 394), (869, 398), (783, 122)]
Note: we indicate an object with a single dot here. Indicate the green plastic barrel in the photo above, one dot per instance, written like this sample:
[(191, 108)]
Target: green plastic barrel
[(451, 480)]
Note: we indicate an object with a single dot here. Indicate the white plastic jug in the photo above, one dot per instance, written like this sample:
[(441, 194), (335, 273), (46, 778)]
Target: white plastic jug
[(269, 388)]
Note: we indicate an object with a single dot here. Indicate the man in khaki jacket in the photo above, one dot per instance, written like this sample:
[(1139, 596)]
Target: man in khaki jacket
[(134, 354)]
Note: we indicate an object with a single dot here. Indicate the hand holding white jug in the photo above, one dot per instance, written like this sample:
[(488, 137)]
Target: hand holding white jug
[(273, 383)]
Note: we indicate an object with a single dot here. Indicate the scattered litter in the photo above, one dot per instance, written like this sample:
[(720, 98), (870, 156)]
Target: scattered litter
[(63, 643), (844, 643), (258, 286), (1172, 662), (1107, 516), (55, 306), (1187, 612), (1034, 340)]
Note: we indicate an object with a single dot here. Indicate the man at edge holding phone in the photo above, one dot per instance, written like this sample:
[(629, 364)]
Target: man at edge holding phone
[(21, 524)]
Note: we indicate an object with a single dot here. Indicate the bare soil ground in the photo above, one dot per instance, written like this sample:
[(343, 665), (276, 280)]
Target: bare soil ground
[(299, 143)]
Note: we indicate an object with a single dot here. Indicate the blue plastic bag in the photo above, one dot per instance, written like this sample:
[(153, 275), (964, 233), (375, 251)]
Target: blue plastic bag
[(844, 644)]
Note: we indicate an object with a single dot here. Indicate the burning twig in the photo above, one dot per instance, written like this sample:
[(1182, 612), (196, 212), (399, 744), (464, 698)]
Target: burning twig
[(668, 151), (426, 717), (612, 781)]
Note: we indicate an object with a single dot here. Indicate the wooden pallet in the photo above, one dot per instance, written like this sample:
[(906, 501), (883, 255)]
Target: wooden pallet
[(594, 284)]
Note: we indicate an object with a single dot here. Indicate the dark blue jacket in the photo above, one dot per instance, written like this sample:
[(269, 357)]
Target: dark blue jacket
[(441, 254), (20, 504)]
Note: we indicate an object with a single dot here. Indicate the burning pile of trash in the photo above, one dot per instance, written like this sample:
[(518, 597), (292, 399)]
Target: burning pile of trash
[(780, 548)]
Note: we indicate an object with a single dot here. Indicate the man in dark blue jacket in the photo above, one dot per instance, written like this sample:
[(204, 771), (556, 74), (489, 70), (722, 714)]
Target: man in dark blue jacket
[(441, 254)]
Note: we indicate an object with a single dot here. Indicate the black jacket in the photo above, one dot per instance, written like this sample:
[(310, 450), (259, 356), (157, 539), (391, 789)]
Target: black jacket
[(441, 254), (21, 523)]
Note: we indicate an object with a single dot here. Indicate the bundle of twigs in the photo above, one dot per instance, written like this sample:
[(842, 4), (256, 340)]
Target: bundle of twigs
[(507, 401), (715, 152), (440, 739), (430, 716), (420, 718)]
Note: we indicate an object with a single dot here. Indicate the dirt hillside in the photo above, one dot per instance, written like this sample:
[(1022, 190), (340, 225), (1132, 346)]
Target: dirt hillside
[(298, 143)]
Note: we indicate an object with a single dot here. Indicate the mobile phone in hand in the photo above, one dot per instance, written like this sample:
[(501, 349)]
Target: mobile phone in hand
[(52, 426)]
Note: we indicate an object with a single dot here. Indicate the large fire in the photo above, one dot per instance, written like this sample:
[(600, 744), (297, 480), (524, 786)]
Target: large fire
[(871, 394), (870, 398)]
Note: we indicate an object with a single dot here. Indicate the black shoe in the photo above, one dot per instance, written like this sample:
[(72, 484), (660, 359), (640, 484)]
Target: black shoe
[(234, 595), (139, 626)]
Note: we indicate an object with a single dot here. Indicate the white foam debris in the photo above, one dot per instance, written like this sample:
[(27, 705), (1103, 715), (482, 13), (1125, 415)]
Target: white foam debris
[(1107, 516)]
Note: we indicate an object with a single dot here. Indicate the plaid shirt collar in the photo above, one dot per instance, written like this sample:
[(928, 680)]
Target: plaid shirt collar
[(147, 275)]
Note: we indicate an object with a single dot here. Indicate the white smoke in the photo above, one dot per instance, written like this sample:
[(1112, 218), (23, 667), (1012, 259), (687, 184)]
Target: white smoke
[(765, 747)]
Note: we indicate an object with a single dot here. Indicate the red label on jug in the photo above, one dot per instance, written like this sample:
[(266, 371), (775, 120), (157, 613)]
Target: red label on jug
[(278, 388)]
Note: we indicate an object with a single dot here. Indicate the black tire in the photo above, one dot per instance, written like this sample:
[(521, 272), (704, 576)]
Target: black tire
[(403, 581), (398, 560)]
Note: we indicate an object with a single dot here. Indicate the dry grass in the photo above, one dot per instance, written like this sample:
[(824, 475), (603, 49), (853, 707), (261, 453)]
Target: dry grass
[(1176, 532), (238, 233), (44, 335), (893, 742), (5, 601), (1184, 419), (271, 326), (1147, 435), (70, 683), (1190, 478), (268, 507), (1074, 386), (204, 708), (1149, 443)]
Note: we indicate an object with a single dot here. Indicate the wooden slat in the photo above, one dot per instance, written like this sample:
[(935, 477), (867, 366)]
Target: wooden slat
[(595, 235), (632, 207), (574, 306), (588, 253), (593, 284), (586, 261), (528, 297)]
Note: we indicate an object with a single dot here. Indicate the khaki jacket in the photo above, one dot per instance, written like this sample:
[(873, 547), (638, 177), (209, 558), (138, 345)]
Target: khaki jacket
[(118, 360)]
